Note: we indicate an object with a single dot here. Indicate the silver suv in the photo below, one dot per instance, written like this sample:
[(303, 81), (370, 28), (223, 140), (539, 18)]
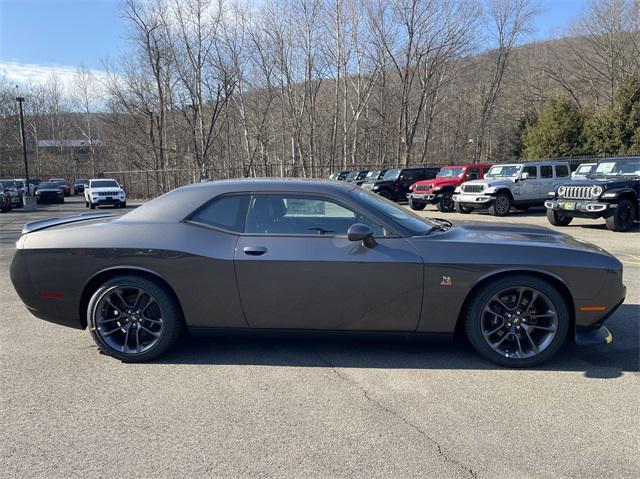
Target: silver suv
[(519, 185)]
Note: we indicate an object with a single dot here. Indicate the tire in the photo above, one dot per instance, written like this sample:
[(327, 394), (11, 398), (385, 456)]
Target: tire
[(558, 220), (92, 205), (168, 329), (123, 204), (416, 206), (475, 318), (624, 217), (462, 209), (446, 203), (501, 205), (86, 204)]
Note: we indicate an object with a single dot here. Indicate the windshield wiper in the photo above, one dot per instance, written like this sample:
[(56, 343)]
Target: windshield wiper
[(439, 224)]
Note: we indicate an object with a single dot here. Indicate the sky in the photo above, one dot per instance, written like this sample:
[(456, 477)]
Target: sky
[(41, 36)]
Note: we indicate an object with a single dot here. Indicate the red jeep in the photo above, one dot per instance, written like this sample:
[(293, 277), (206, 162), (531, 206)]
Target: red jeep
[(439, 190)]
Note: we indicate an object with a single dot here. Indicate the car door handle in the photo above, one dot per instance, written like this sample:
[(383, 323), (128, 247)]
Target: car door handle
[(255, 250)]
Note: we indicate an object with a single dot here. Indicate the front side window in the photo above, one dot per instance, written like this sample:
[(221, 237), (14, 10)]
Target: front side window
[(473, 173), (562, 171), (532, 170), (290, 214), (391, 175), (546, 171), (227, 213)]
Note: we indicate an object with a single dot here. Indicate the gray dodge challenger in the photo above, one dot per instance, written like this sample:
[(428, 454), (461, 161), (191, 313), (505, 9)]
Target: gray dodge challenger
[(298, 256)]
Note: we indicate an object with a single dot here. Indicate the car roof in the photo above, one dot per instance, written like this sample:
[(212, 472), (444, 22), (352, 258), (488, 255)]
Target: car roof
[(103, 179), (175, 205)]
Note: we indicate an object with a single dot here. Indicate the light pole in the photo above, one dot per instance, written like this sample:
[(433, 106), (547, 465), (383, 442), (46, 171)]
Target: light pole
[(29, 204)]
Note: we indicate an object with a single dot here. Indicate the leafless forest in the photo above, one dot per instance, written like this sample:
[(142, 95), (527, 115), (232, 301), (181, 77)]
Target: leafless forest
[(306, 87)]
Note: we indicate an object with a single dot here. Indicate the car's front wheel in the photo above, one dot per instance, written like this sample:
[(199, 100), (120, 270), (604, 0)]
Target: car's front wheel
[(416, 206), (501, 205), (517, 321), (92, 205), (623, 218), (134, 319), (446, 203), (556, 219)]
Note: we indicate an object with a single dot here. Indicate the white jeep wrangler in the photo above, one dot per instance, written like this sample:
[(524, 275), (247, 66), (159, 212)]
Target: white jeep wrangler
[(104, 191), (520, 185)]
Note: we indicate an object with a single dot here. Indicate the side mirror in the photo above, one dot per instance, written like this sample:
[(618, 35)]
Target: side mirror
[(524, 176), (361, 232)]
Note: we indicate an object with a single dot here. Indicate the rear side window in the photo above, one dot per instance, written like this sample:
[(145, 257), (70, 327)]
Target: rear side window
[(227, 213), (546, 171), (562, 171)]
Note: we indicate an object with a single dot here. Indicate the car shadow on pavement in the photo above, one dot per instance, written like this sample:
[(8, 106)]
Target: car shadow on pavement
[(599, 361)]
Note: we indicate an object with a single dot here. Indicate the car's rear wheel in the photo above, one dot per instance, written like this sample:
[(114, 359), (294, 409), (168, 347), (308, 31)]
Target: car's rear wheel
[(133, 319), (416, 206), (517, 321), (501, 205), (446, 203), (556, 219), (462, 209), (623, 218)]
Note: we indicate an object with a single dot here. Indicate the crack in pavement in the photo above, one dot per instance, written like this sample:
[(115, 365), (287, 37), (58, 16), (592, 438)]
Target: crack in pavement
[(396, 414)]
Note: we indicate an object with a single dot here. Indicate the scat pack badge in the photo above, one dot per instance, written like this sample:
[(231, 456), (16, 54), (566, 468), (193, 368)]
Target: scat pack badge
[(446, 281)]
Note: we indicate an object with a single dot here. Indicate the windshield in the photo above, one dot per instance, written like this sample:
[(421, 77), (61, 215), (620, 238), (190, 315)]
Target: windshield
[(352, 175), (391, 175), (82, 182), (49, 185), (417, 225), (8, 184), (503, 171), (618, 168), (372, 175), (104, 184), (19, 183), (450, 172)]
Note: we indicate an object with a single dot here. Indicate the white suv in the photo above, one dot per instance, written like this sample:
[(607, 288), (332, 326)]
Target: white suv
[(521, 185), (104, 191)]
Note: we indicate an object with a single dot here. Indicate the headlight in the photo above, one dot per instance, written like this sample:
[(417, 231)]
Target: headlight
[(596, 191), (562, 190)]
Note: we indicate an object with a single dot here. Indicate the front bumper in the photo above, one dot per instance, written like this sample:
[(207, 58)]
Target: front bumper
[(472, 199), (581, 208), (423, 197), (106, 200)]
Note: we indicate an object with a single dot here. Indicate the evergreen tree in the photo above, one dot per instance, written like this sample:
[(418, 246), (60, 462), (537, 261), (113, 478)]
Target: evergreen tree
[(557, 132)]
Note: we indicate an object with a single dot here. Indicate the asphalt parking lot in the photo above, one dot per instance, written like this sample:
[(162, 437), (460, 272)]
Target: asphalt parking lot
[(216, 407)]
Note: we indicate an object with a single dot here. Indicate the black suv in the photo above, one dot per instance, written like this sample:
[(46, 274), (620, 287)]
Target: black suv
[(395, 183), (610, 191)]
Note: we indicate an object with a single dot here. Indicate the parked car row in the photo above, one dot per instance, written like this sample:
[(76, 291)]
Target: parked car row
[(609, 188)]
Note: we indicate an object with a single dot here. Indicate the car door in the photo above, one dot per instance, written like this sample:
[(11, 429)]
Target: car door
[(546, 180), (296, 269), (530, 187)]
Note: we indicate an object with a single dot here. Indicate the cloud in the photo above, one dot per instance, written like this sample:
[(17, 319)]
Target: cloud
[(26, 73)]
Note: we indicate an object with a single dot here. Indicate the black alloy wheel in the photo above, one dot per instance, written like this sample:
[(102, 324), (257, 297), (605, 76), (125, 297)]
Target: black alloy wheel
[(623, 218), (446, 203), (133, 318), (517, 321)]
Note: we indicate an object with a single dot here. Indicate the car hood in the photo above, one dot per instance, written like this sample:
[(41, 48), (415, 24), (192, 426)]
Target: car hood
[(106, 188), (440, 182), (489, 181), (499, 234), (606, 183)]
